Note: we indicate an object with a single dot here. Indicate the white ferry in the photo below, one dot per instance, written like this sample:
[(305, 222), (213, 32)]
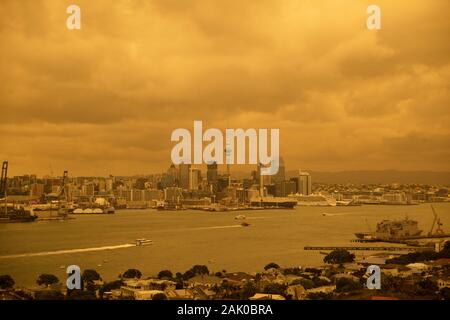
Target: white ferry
[(143, 242)]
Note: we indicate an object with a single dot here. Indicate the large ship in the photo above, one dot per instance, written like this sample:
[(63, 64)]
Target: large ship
[(313, 200), (273, 202), (392, 230)]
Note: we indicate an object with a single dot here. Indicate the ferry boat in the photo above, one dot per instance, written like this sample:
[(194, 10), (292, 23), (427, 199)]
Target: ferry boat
[(143, 242)]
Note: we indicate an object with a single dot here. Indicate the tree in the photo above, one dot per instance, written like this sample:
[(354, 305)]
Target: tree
[(446, 245), (106, 287), (47, 279), (445, 293), (275, 288), (200, 269), (165, 274), (294, 271), (132, 273), (180, 281), (271, 265), (347, 285), (247, 291), (339, 256), (159, 296), (320, 296), (188, 274), (6, 281), (49, 295), (90, 275), (306, 283), (81, 295), (426, 287)]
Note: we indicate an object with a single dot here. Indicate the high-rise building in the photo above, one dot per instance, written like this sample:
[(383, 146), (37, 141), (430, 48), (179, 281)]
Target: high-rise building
[(173, 174), (281, 174), (194, 178), (212, 175), (284, 188), (304, 183), (184, 175)]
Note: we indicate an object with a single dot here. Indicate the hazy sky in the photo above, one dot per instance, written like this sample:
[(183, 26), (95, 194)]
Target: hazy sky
[(104, 99)]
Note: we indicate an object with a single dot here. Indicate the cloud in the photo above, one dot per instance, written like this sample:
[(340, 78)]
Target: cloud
[(105, 98)]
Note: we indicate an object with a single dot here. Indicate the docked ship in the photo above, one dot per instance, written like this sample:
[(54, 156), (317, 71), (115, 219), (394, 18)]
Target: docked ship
[(392, 230), (313, 200), (16, 214), (273, 202), (169, 206)]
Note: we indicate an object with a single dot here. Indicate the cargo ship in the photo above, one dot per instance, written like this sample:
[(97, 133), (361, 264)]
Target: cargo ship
[(273, 202)]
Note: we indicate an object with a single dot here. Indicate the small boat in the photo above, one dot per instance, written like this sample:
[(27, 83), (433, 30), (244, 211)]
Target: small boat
[(143, 242), (240, 217)]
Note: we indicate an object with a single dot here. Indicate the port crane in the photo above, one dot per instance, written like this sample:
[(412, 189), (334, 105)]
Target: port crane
[(436, 221), (62, 196), (4, 185)]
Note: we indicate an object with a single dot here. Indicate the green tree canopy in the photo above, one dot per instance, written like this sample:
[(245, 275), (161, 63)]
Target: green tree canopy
[(90, 275), (108, 286), (132, 273), (271, 265), (247, 291), (347, 285), (339, 256), (306, 283), (200, 269), (47, 279), (275, 288), (49, 295), (159, 296), (6, 281), (81, 295), (165, 274)]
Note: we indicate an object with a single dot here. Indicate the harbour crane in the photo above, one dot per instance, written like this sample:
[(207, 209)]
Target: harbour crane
[(4, 185), (3, 181), (62, 210)]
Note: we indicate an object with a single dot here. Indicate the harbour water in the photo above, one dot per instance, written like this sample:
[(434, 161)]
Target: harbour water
[(185, 238)]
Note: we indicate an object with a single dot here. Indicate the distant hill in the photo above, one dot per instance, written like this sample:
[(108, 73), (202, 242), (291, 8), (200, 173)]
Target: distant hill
[(381, 176)]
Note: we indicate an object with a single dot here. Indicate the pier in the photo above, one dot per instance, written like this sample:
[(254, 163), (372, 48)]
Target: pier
[(352, 248)]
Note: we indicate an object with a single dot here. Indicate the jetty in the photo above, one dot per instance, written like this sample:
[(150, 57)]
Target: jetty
[(365, 248)]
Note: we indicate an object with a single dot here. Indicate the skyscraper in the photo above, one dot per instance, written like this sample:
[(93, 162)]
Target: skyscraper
[(304, 186), (184, 176), (194, 178), (211, 175)]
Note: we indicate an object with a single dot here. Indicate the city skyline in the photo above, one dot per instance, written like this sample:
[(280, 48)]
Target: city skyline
[(104, 99)]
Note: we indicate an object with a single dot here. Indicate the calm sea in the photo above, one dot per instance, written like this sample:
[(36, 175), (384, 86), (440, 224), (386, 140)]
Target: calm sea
[(184, 238)]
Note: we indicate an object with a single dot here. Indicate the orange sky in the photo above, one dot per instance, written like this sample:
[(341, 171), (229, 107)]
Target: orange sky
[(105, 99)]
